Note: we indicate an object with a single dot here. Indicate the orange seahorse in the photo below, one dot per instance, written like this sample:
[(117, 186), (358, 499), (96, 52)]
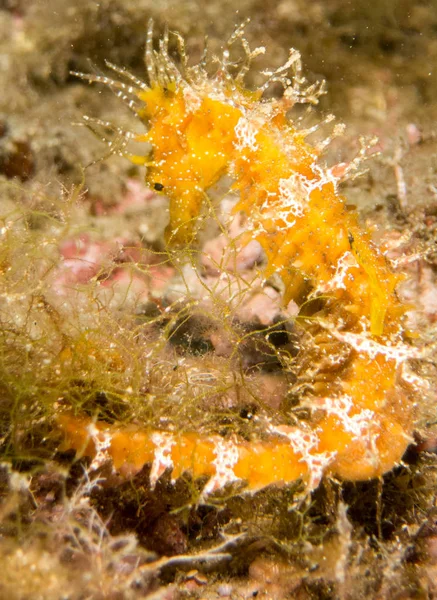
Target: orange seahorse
[(200, 128)]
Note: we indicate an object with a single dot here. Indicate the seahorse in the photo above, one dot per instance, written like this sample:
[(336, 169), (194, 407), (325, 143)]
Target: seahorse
[(202, 127)]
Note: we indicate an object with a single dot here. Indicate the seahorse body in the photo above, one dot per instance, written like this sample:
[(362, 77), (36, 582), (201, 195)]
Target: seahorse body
[(294, 209), (201, 128)]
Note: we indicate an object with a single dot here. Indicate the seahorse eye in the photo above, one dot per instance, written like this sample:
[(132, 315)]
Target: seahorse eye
[(158, 187)]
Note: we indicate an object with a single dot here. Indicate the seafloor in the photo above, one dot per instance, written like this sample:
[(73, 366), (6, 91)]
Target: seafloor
[(87, 295)]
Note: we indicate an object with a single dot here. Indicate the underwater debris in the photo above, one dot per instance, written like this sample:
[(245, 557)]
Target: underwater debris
[(360, 411)]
